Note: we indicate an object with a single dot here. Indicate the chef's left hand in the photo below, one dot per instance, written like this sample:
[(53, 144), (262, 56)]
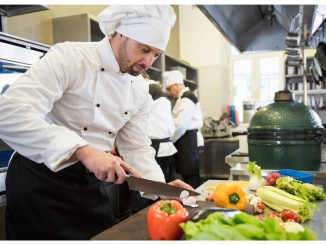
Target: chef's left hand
[(179, 183)]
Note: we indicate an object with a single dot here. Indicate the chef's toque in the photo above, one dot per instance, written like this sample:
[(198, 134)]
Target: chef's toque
[(148, 24), (172, 77)]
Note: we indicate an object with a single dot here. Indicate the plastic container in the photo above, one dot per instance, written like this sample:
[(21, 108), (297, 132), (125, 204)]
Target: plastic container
[(298, 175)]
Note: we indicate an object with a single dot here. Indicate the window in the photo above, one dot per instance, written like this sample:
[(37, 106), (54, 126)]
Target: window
[(269, 77), (241, 84)]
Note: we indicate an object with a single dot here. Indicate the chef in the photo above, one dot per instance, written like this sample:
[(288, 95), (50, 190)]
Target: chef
[(160, 129), (62, 116), (187, 119)]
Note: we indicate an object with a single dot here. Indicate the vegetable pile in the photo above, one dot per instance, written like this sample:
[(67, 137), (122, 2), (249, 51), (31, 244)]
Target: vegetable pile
[(305, 191), (280, 200), (256, 181), (218, 226)]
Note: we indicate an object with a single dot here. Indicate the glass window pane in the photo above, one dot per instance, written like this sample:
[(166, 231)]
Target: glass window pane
[(269, 77), (241, 84)]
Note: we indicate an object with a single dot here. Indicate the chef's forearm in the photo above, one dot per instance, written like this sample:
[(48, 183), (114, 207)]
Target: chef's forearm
[(81, 153)]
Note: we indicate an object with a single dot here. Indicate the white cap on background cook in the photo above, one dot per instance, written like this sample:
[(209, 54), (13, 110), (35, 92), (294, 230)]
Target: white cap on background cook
[(148, 24), (172, 77)]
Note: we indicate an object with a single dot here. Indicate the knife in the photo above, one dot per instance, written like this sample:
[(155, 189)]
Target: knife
[(157, 188)]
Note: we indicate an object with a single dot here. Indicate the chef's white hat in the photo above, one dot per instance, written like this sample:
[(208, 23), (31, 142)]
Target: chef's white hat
[(172, 77), (148, 24)]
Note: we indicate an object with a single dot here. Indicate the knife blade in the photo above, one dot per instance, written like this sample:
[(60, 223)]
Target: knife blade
[(157, 188)]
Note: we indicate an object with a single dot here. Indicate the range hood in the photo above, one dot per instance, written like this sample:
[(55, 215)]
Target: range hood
[(14, 10), (255, 28)]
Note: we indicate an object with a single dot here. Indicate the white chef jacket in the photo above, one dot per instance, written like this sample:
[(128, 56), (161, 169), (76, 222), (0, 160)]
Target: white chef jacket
[(160, 124), (75, 95), (187, 116)]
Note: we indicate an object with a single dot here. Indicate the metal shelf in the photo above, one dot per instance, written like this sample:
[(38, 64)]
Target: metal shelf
[(154, 69), (308, 74), (313, 91), (189, 81)]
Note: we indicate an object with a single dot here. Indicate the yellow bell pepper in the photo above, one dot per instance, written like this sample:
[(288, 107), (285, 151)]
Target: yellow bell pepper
[(230, 195)]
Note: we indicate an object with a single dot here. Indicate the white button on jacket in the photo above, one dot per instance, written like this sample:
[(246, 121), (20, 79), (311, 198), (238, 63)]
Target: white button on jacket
[(74, 96)]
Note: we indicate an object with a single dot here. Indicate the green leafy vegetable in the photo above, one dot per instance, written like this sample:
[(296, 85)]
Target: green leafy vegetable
[(305, 191), (218, 226)]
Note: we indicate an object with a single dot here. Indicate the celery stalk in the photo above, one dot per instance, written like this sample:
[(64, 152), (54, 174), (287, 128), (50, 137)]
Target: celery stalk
[(279, 200)]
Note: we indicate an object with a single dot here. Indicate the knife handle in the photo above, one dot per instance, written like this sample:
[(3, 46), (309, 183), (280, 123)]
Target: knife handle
[(126, 179)]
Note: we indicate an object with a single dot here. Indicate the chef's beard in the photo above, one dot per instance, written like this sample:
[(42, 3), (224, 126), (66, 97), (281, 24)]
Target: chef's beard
[(124, 60)]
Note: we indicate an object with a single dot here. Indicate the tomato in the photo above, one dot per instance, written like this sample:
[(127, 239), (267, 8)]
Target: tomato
[(289, 220), (288, 214), (279, 215), (271, 182), (271, 215), (269, 178), (261, 206), (296, 218), (276, 176), (259, 217)]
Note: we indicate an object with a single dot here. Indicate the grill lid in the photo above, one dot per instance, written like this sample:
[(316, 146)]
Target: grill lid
[(285, 115)]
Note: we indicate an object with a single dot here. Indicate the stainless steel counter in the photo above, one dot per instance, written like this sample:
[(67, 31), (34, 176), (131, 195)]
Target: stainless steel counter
[(238, 162)]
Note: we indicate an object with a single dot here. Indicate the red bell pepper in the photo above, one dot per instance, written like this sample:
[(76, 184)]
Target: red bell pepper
[(163, 220)]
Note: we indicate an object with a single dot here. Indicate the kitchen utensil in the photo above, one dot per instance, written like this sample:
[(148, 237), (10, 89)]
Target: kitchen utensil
[(293, 50), (321, 55), (230, 212), (157, 188), (292, 38), (313, 82), (320, 71), (314, 73), (293, 63)]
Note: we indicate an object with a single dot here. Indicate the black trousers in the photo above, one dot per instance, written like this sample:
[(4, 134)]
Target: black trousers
[(137, 202), (186, 160), (43, 205)]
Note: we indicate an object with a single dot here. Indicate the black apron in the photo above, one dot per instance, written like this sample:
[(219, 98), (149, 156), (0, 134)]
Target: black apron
[(43, 205), (139, 203), (186, 160)]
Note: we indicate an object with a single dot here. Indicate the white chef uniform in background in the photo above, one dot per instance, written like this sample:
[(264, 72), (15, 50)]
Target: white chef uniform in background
[(160, 123), (187, 118), (186, 114)]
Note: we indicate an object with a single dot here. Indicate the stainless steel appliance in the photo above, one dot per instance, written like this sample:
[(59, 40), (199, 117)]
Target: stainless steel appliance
[(16, 56)]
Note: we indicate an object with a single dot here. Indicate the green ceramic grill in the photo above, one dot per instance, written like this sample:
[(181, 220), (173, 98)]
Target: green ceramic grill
[(285, 135)]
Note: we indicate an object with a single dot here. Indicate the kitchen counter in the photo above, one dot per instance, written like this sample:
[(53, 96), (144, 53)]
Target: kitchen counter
[(135, 227)]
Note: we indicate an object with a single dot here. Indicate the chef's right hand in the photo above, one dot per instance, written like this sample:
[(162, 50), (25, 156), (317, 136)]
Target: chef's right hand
[(104, 165)]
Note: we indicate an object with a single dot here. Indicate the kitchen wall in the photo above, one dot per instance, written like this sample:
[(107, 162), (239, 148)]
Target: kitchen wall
[(38, 26), (203, 46)]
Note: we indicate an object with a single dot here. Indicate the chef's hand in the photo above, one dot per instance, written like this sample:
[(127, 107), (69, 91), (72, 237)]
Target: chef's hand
[(179, 183), (104, 165), (113, 152)]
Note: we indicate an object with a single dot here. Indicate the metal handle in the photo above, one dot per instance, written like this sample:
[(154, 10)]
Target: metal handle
[(21, 68), (239, 133)]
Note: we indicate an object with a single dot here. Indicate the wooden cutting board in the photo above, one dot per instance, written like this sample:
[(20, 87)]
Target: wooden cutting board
[(135, 227)]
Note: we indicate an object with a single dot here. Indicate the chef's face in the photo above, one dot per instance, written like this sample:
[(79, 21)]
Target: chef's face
[(173, 90), (135, 57)]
